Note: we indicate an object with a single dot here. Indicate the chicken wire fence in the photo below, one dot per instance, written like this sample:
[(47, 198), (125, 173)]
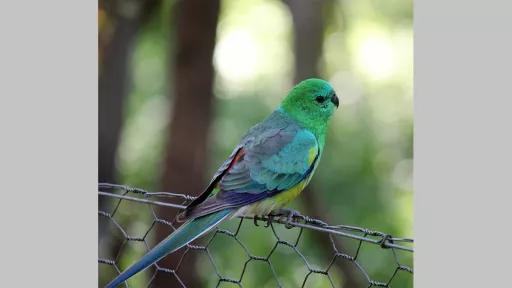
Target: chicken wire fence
[(275, 252)]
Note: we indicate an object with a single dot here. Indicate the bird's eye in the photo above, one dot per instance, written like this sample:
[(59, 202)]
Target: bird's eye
[(320, 99)]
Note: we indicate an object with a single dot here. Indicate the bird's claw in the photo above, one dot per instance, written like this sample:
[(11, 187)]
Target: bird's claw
[(270, 218), (255, 219), (268, 221), (290, 215), (293, 215)]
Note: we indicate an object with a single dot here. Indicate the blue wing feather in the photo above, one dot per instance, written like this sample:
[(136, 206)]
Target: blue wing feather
[(274, 158)]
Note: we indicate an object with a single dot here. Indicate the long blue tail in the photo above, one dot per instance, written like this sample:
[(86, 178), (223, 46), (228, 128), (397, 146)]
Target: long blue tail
[(187, 232)]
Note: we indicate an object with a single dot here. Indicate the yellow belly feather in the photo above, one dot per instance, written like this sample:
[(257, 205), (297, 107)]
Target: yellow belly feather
[(264, 207), (278, 201)]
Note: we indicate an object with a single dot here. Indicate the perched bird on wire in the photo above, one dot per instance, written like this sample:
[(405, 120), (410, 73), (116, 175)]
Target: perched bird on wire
[(270, 166)]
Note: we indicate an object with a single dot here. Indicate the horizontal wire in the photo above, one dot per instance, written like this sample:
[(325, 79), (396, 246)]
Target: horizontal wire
[(385, 242), (135, 199)]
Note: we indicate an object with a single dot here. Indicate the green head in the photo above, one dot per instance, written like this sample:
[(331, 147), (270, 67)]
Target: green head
[(311, 103)]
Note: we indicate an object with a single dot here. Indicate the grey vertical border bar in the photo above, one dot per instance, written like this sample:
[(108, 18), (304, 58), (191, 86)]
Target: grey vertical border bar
[(48, 150), (462, 143)]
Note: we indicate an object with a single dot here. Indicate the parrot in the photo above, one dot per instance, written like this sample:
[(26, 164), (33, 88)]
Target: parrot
[(270, 166)]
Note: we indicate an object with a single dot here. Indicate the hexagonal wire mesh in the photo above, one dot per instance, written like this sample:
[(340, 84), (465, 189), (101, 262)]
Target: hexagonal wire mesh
[(303, 253)]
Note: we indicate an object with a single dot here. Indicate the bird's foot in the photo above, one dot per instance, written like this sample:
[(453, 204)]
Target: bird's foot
[(268, 220), (294, 216), (255, 219), (290, 214)]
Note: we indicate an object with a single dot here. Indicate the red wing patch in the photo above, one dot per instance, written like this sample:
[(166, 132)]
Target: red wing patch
[(239, 155)]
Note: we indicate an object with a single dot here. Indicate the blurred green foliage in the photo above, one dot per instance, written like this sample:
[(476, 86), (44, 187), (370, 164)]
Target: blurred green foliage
[(365, 176)]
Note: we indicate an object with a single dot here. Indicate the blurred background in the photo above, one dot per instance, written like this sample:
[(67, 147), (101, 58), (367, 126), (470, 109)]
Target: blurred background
[(180, 82)]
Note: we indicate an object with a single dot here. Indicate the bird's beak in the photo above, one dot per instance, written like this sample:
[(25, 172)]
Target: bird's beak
[(335, 100)]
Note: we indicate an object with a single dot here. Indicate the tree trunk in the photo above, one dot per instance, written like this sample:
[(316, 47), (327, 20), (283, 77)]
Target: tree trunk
[(114, 80), (113, 84), (308, 25), (186, 159)]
